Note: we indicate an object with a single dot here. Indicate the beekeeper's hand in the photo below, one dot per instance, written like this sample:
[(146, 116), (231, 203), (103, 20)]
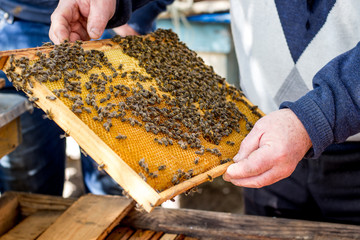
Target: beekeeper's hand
[(125, 30), (270, 152), (80, 19)]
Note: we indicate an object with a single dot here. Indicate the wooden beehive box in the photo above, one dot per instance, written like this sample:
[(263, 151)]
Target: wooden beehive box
[(33, 216), (106, 156)]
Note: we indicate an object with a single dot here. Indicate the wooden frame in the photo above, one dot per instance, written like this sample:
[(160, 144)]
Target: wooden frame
[(35, 216), (127, 178)]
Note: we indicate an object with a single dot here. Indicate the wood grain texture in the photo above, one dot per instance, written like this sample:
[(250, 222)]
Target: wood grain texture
[(194, 181), (10, 137), (2, 83), (195, 223), (142, 235), (91, 217), (30, 203), (120, 233), (31, 227), (9, 211)]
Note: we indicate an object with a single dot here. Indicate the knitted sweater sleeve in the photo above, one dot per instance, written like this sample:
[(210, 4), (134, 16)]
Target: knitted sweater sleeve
[(124, 9), (331, 111)]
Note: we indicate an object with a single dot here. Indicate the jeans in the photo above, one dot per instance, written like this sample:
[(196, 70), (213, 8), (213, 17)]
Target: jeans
[(38, 164)]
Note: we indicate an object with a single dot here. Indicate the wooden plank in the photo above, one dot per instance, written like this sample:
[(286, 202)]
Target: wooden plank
[(197, 223), (157, 236), (31, 227), (30, 203), (120, 233), (194, 181), (12, 106), (10, 137), (142, 235), (31, 52), (9, 211), (2, 83), (168, 236), (91, 217)]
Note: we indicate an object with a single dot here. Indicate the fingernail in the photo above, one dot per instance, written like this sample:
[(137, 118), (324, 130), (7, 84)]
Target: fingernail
[(94, 33), (231, 169), (237, 157)]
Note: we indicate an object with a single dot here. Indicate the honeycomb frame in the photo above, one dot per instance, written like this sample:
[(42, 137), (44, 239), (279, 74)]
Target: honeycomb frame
[(111, 162)]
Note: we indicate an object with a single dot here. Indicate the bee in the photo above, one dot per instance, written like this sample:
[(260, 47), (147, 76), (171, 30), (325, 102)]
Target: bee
[(66, 134), (196, 161), (101, 167), (102, 100), (87, 109), (47, 44), (162, 167), (123, 75), (83, 152), (51, 98), (120, 136), (33, 99), (142, 176), (78, 111), (48, 114), (210, 178), (230, 143)]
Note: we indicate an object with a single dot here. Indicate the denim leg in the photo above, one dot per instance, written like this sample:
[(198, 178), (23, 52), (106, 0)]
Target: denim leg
[(37, 164), (95, 181)]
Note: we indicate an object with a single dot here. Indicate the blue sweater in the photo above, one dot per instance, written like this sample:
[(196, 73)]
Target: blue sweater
[(331, 111)]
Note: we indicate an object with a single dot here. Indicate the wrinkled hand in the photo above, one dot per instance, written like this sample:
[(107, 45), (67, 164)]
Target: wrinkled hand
[(80, 19), (270, 152), (125, 30)]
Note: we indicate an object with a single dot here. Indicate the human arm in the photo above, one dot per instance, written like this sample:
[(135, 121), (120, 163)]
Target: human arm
[(329, 114), (86, 19)]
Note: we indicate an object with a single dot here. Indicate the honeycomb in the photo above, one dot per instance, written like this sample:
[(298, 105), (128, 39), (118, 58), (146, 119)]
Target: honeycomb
[(152, 100)]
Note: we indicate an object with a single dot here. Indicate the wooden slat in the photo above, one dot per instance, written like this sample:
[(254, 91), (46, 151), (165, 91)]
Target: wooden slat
[(9, 212), (31, 203), (12, 106), (91, 217), (157, 236), (31, 227), (168, 236), (121, 234), (10, 137), (31, 52), (142, 235), (2, 83), (197, 223), (194, 181)]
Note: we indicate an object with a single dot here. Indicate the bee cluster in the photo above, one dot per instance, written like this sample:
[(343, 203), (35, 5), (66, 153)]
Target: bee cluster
[(190, 86), (185, 104)]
